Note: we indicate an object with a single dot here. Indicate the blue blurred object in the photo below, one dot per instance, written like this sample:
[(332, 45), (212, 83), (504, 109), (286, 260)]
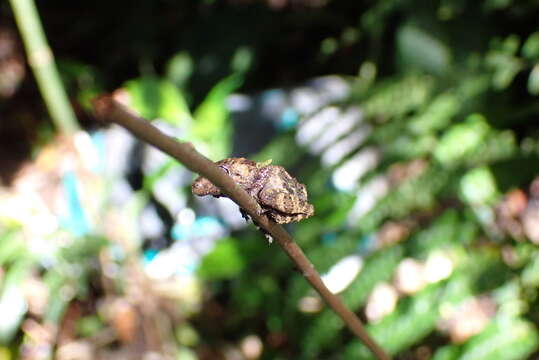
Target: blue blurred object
[(329, 239), (149, 255), (75, 220), (205, 226), (98, 140), (117, 252), (289, 119), (366, 243)]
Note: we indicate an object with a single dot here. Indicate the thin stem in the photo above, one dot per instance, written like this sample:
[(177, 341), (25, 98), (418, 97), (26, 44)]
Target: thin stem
[(107, 108), (41, 60)]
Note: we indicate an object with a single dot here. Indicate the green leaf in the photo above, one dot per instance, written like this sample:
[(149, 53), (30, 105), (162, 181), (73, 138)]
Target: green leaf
[(478, 186), (419, 49), (212, 126), (6, 353), (530, 49), (414, 193), (155, 98), (437, 115), (397, 97), (13, 307), (56, 281), (505, 68), (13, 246), (507, 340), (414, 318), (89, 326), (493, 5), (510, 44), (441, 233), (150, 179), (496, 146), (530, 274), (12, 301), (274, 150), (242, 60), (179, 69), (448, 352), (379, 267), (461, 139), (533, 80), (225, 261)]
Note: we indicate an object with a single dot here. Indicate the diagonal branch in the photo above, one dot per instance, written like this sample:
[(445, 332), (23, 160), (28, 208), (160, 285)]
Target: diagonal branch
[(107, 108)]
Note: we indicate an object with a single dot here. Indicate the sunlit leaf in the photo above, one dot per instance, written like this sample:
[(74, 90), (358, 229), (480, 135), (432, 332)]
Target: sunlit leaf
[(414, 318), (155, 98), (437, 115), (395, 98), (212, 125), (12, 246), (508, 339), (325, 328), (448, 352), (478, 186), (13, 304), (461, 139)]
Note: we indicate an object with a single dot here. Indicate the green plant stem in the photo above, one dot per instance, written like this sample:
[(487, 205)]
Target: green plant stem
[(107, 108), (41, 61)]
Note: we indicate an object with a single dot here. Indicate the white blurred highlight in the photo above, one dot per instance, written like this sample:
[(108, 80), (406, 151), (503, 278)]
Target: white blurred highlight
[(366, 198), (345, 146), (312, 127), (341, 275), (438, 267), (347, 176), (310, 304), (341, 126), (382, 301), (409, 276), (251, 347)]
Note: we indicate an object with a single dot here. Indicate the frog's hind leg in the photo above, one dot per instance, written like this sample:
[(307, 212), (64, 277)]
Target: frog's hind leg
[(278, 199)]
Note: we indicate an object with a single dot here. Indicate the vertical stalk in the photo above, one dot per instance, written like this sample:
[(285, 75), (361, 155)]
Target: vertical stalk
[(41, 61)]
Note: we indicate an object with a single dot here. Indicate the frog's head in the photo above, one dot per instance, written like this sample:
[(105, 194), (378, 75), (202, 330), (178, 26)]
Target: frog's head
[(202, 187)]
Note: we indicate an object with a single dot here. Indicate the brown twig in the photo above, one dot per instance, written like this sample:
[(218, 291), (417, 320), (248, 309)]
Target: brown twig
[(107, 108)]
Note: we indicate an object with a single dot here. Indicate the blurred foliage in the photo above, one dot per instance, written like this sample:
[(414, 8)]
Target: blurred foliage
[(439, 198)]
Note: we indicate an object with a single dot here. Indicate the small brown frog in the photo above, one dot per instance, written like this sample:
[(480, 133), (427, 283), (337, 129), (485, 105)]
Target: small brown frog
[(280, 195)]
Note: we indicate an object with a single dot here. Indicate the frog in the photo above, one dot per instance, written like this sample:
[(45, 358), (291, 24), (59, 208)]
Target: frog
[(281, 196)]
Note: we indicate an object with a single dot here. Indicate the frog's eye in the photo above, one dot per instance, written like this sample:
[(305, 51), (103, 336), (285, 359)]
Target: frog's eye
[(224, 169)]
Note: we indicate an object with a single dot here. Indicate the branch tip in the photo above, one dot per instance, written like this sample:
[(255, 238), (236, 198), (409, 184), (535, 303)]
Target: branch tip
[(103, 105)]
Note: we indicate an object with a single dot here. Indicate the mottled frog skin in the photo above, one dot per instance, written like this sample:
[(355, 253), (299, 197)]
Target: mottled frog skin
[(280, 195)]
